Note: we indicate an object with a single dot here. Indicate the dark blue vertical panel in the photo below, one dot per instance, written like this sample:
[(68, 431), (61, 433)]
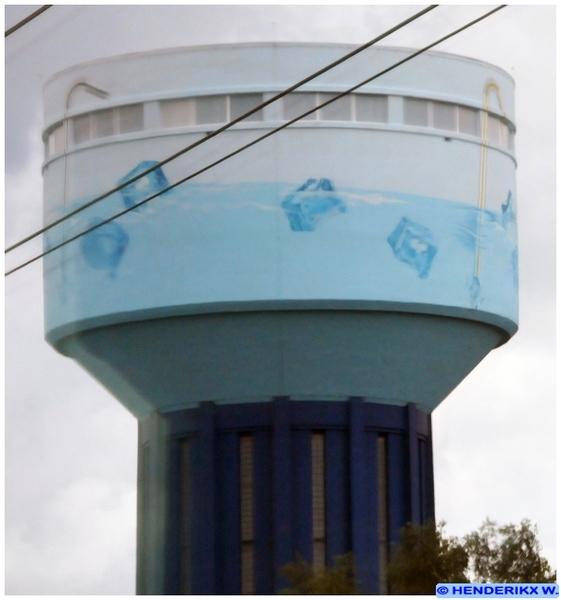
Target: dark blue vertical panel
[(413, 451), (282, 487), (302, 493), (173, 532), (368, 579), (263, 525), (398, 498), (359, 501), (228, 493), (337, 487), (204, 504), (422, 481), (429, 477), (140, 524)]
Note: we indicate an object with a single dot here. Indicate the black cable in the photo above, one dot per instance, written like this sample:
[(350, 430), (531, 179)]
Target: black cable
[(26, 20), (272, 132), (223, 128)]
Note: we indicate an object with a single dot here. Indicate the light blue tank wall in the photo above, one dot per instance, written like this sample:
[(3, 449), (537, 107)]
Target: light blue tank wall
[(328, 214)]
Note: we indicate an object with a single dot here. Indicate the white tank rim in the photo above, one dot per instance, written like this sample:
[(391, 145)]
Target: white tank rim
[(232, 45)]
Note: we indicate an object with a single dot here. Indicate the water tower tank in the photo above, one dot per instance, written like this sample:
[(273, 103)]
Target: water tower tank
[(283, 324)]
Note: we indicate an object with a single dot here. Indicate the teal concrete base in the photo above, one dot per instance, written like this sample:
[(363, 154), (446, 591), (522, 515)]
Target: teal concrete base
[(167, 364)]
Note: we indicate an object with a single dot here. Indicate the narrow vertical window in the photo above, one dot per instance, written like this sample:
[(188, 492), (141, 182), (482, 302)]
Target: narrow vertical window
[(318, 501), (185, 516), (504, 134), (468, 120), (103, 123), (242, 103), (498, 131), (383, 514), (59, 138), (297, 104), (211, 109), (444, 115), (178, 113), (55, 140), (340, 110), (372, 109), (82, 129), (131, 118), (416, 112), (246, 513), (493, 129)]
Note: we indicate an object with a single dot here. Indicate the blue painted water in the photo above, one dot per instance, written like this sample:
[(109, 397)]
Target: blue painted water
[(312, 239)]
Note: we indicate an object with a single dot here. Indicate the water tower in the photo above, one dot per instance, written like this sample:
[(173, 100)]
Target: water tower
[(283, 324)]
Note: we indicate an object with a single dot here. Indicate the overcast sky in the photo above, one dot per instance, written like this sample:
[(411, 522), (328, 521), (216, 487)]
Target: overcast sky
[(71, 447)]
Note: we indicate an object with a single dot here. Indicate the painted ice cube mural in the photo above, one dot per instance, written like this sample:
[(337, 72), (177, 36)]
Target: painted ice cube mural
[(509, 224), (508, 214), (103, 248), (413, 244), (482, 221), (310, 203), (142, 188)]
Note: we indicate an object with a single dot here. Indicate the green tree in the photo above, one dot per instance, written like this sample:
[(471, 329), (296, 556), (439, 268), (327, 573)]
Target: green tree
[(339, 579), (507, 554), (492, 554), (423, 558)]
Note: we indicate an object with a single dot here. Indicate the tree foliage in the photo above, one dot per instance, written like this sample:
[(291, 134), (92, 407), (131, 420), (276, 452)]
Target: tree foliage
[(423, 558), (339, 579), (492, 554), (507, 554)]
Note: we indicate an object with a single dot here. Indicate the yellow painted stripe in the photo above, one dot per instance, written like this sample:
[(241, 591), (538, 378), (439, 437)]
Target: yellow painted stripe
[(491, 86)]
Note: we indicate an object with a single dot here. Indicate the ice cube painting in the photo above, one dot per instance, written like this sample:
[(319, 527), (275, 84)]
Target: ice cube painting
[(310, 203), (103, 248), (413, 244), (142, 188), (507, 209)]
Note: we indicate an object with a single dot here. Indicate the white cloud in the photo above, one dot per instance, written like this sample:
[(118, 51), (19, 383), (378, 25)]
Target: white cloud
[(494, 445), (88, 527)]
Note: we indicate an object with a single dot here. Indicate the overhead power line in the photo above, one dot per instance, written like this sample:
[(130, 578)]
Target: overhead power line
[(270, 133), (214, 133), (27, 19)]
